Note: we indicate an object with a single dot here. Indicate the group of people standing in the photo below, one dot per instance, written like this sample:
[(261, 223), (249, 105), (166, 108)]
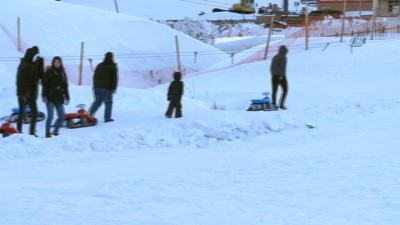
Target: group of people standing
[(55, 91), (278, 79)]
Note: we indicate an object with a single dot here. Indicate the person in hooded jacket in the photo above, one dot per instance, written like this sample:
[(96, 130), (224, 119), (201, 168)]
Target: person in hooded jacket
[(105, 81), (39, 63), (27, 87), (55, 94), (278, 76), (174, 96)]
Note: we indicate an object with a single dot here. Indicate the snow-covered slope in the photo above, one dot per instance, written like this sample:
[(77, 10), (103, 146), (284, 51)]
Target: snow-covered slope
[(145, 50)]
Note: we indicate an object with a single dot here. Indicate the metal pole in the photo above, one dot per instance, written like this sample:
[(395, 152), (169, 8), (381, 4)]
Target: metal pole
[(343, 20), (116, 6)]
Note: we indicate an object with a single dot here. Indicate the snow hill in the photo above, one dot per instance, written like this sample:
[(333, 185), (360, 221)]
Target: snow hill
[(145, 50), (219, 164)]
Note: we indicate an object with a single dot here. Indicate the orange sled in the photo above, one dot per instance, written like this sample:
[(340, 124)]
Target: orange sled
[(80, 119)]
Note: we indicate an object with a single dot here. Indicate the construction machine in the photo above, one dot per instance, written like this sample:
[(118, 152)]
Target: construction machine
[(244, 7)]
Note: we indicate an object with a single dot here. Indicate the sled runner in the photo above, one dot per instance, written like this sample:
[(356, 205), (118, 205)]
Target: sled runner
[(263, 104), (7, 129), (28, 115), (80, 119)]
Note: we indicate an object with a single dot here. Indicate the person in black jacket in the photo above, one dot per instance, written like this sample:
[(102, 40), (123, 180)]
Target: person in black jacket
[(27, 88), (105, 81), (278, 73), (174, 96), (55, 94), (39, 63)]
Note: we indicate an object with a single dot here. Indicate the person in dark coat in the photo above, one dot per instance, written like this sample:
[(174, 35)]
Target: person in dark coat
[(105, 81), (27, 88), (174, 96), (39, 63), (279, 79), (55, 94)]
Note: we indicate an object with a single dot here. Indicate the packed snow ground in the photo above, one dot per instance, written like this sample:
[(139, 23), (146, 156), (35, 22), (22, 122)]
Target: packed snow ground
[(220, 164)]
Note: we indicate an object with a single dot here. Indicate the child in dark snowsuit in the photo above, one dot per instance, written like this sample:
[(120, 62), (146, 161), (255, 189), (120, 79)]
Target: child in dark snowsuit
[(175, 92)]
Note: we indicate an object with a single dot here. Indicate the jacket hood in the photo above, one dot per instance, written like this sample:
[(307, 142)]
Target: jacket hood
[(177, 76), (283, 50), (29, 54), (35, 49), (109, 58)]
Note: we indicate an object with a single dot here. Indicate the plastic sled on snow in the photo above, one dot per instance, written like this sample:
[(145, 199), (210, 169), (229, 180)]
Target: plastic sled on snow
[(263, 104), (7, 129), (80, 119), (28, 115)]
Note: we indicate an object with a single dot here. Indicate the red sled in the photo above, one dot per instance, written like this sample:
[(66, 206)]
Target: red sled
[(7, 129), (80, 119)]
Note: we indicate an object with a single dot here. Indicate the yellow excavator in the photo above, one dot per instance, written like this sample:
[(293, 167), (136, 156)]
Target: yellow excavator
[(244, 7)]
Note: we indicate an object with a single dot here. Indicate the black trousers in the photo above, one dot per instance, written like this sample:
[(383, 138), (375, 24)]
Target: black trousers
[(23, 101), (279, 81), (174, 104)]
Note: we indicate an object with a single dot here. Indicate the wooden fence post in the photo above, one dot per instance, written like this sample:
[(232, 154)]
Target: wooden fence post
[(178, 54), (306, 26), (343, 20), (271, 30), (19, 47), (81, 64), (373, 30)]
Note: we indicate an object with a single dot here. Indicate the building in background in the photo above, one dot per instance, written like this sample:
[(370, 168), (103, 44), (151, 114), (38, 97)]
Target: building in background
[(384, 7)]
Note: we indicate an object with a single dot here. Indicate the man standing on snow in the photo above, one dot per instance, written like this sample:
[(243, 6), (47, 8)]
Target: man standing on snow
[(105, 80), (278, 75), (27, 88)]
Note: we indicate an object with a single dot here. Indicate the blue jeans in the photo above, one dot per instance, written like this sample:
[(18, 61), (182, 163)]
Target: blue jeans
[(100, 96), (50, 114)]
